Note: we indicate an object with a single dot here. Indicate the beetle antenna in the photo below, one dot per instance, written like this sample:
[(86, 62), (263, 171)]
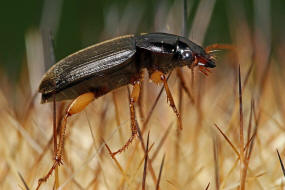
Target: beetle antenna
[(213, 57), (215, 47), (214, 51)]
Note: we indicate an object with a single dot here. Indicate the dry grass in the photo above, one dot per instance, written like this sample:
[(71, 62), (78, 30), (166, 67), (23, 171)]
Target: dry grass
[(232, 128), (229, 139)]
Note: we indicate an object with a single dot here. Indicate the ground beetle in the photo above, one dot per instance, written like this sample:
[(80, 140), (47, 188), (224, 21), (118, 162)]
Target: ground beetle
[(103, 67)]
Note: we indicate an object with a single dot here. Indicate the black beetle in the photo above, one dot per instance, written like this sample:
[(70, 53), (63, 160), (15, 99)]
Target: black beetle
[(114, 63), (103, 67)]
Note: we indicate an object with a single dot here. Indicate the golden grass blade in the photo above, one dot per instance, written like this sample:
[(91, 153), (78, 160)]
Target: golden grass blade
[(145, 163), (281, 163), (228, 140), (160, 172), (23, 180), (208, 186)]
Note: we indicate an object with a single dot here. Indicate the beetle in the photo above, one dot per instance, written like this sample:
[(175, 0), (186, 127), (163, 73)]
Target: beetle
[(103, 67)]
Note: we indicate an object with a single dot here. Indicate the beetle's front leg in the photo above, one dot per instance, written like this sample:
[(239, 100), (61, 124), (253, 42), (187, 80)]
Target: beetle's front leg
[(158, 77), (76, 106), (133, 99)]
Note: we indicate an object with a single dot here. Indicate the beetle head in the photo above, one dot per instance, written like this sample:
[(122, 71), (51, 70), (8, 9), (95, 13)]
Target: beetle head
[(204, 59), (194, 55)]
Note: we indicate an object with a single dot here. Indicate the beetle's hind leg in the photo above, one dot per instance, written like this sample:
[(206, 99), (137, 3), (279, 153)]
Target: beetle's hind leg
[(76, 106), (158, 77), (133, 99)]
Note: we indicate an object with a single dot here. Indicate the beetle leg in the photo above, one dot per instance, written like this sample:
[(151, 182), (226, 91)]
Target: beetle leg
[(76, 106), (133, 99), (159, 77)]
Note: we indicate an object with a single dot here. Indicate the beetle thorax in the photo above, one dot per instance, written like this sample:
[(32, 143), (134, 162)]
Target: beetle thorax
[(184, 54)]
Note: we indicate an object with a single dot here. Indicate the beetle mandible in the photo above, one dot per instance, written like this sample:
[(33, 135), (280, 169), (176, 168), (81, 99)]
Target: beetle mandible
[(103, 67)]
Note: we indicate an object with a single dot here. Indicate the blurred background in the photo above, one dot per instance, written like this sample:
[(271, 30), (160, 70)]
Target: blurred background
[(220, 127), (75, 24)]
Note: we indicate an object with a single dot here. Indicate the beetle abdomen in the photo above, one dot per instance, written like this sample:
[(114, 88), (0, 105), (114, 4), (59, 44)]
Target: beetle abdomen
[(87, 69)]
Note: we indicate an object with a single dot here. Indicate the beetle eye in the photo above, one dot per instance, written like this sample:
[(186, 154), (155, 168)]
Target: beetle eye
[(186, 54)]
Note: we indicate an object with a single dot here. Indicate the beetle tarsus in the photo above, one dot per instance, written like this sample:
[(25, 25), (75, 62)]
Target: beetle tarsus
[(76, 106), (58, 158), (56, 163), (134, 134)]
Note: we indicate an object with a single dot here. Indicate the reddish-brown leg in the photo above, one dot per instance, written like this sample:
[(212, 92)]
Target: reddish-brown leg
[(158, 77), (133, 99), (76, 106)]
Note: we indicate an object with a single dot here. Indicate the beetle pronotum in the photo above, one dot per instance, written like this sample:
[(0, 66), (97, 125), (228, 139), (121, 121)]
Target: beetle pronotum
[(103, 67)]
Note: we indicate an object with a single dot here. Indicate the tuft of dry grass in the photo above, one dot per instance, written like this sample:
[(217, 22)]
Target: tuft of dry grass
[(229, 111)]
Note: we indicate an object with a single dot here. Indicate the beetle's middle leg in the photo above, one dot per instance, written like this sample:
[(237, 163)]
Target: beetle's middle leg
[(133, 99), (158, 77), (75, 107)]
